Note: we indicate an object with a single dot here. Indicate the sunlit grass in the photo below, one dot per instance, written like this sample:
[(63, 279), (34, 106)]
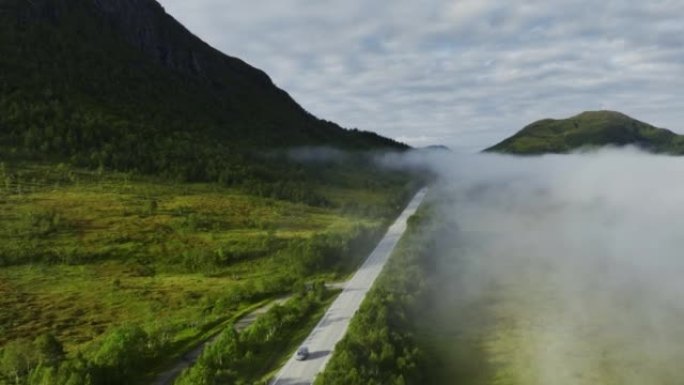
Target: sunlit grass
[(103, 250), (522, 332)]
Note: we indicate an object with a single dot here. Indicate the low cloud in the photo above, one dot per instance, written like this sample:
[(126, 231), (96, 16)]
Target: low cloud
[(574, 263)]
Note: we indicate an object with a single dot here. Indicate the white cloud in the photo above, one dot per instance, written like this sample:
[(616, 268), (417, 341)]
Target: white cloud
[(561, 269), (445, 69)]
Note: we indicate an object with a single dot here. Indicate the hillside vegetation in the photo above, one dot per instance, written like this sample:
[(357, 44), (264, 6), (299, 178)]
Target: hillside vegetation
[(122, 86), (587, 130), (153, 190), (87, 256)]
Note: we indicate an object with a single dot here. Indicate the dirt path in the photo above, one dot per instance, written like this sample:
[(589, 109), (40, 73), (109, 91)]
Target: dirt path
[(246, 321), (189, 358)]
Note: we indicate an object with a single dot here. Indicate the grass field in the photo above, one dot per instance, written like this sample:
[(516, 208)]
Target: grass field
[(84, 252), (535, 329)]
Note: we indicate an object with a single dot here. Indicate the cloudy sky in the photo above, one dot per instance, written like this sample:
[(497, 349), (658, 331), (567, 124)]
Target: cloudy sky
[(465, 73)]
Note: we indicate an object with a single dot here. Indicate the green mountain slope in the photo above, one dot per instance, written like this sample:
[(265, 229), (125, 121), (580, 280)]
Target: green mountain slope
[(121, 85), (590, 129), (154, 190)]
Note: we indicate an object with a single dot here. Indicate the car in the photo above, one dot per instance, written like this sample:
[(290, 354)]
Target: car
[(302, 353)]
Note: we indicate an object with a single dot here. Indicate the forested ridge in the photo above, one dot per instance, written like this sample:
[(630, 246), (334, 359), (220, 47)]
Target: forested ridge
[(589, 130), (122, 86)]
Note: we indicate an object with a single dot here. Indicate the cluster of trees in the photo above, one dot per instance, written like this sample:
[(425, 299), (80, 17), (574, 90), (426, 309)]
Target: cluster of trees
[(242, 358), (331, 251), (117, 358), (19, 357), (29, 235), (379, 348), (127, 352), (77, 93), (102, 140)]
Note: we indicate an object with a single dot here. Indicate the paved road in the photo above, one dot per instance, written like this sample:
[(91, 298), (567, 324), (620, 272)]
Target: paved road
[(334, 323)]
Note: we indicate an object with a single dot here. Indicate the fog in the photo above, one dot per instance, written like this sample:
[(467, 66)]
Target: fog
[(563, 269)]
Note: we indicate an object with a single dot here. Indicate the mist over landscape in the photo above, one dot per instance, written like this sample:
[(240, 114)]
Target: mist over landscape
[(559, 269), (287, 193)]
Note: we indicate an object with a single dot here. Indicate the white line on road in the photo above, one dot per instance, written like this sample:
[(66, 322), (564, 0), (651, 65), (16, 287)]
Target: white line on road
[(334, 323)]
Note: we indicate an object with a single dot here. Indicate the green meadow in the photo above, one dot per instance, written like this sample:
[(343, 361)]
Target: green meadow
[(531, 330), (84, 253)]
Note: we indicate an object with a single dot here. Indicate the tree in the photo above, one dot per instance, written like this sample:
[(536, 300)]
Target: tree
[(120, 354), (17, 359), (49, 349), (76, 371), (151, 207)]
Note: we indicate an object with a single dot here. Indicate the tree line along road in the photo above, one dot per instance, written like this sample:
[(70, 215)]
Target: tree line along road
[(333, 326)]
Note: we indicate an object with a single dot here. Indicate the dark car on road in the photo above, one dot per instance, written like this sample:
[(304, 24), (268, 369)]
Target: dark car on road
[(302, 353)]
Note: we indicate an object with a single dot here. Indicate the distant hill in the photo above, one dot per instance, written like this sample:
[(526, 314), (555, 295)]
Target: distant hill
[(436, 147), (121, 85), (590, 129)]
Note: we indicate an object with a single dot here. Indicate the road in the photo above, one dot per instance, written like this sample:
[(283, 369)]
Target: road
[(334, 323)]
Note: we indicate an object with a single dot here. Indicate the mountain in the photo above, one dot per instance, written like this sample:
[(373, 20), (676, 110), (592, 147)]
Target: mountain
[(122, 85), (436, 147), (590, 129)]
